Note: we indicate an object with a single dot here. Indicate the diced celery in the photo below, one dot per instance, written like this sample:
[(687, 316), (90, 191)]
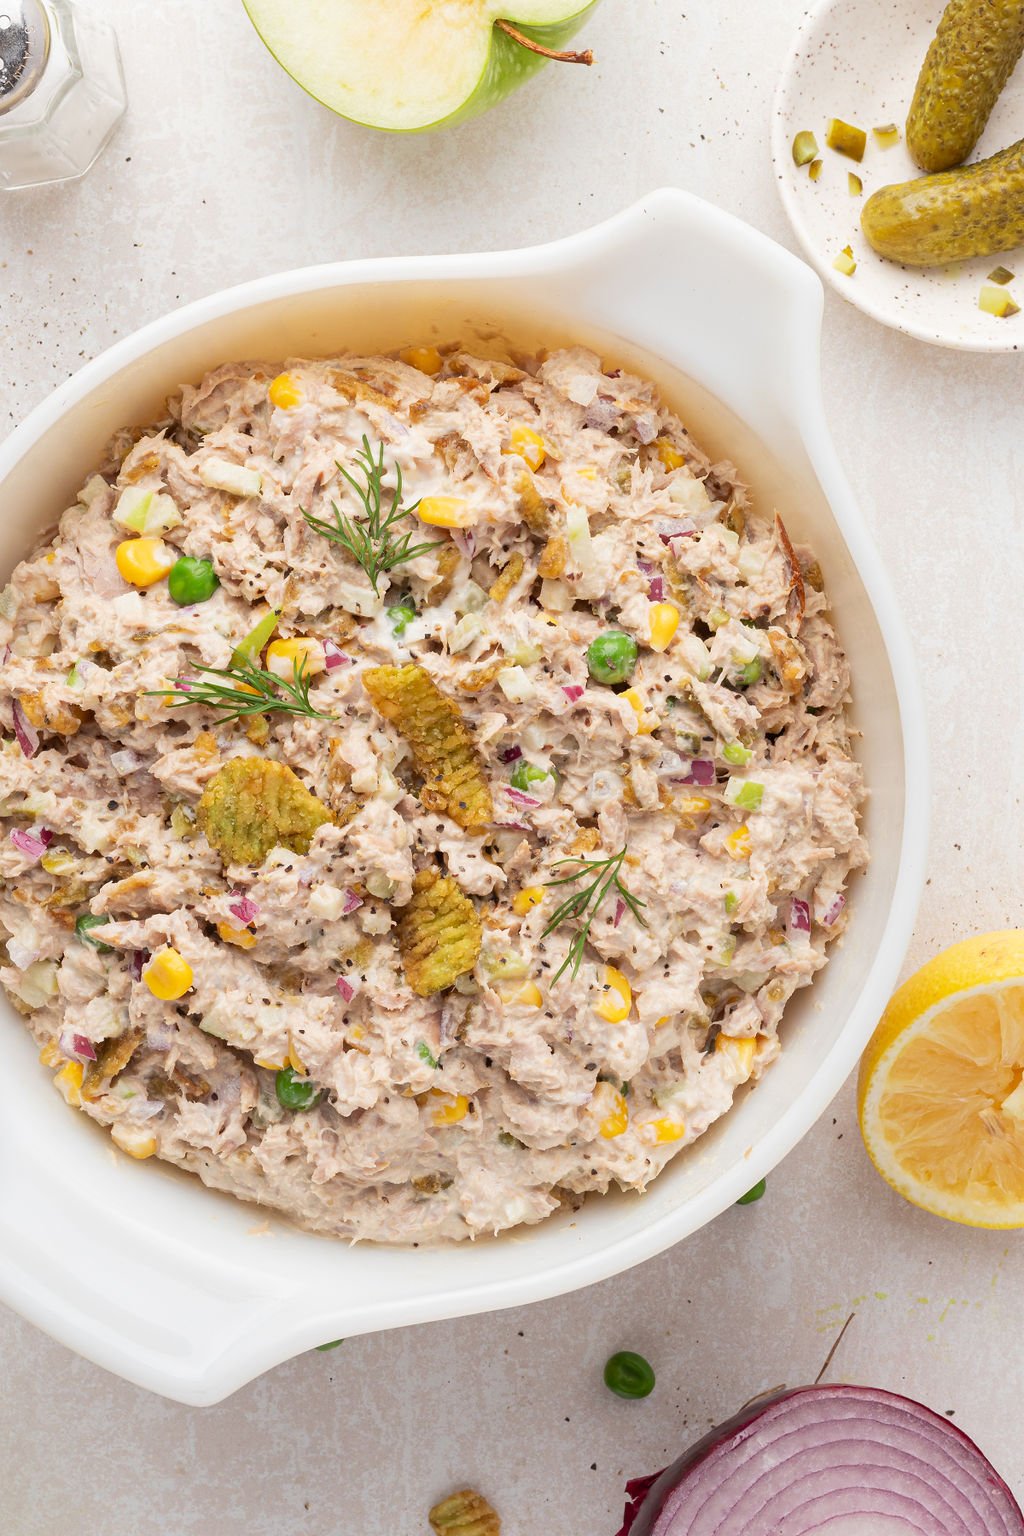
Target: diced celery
[(249, 648), (148, 512), (516, 685), (737, 754), (221, 475), (731, 902), (745, 794), (581, 545), (717, 617)]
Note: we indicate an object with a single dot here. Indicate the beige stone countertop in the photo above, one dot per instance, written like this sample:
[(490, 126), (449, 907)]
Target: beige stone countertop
[(222, 171)]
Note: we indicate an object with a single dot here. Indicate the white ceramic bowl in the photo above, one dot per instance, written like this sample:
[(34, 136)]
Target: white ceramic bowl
[(191, 1294)]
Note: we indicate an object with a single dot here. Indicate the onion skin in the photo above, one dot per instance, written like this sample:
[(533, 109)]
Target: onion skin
[(648, 1512)]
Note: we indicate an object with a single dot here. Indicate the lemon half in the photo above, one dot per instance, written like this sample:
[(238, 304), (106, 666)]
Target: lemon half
[(941, 1096)]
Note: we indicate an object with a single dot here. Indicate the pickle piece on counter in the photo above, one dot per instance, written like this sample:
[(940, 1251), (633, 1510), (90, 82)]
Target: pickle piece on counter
[(254, 804), (974, 211), (977, 44)]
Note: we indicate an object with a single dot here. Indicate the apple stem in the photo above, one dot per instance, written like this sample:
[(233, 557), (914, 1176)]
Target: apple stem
[(568, 57)]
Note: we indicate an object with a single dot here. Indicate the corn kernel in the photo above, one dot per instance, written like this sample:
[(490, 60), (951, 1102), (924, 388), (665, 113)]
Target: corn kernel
[(141, 562), (530, 995), (664, 1130), (669, 454), (737, 844), (50, 1054), (426, 359), (645, 723), (665, 1019), (284, 393), (587, 472), (446, 512), (137, 1143), (741, 1048), (610, 1105), (356, 1032), (530, 896), (529, 445), (303, 651), (243, 937), (663, 621), (69, 1083), (168, 975), (270, 1066), (616, 998), (693, 805), (450, 1107), (295, 1061)]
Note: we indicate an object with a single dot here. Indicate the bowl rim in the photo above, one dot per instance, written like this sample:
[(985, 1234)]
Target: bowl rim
[(284, 1329)]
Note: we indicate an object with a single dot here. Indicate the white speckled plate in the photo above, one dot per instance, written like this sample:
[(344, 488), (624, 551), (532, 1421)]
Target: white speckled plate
[(859, 60)]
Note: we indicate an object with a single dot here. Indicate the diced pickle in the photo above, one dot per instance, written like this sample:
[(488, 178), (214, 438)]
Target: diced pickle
[(805, 147), (996, 301), (886, 135), (814, 169), (854, 183), (1000, 275), (844, 262), (846, 139)]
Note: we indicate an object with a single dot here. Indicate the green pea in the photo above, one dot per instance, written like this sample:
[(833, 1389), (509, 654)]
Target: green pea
[(295, 1092), (751, 673), (524, 774), (402, 614), (192, 581), (629, 1375), (87, 921), (612, 657), (754, 1194)]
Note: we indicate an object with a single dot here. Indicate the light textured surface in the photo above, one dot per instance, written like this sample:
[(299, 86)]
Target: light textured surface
[(224, 171)]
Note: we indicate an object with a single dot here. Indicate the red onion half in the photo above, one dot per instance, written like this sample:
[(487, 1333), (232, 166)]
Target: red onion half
[(839, 1460)]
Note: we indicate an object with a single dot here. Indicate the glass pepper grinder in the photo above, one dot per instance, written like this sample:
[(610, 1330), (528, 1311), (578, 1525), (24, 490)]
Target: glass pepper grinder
[(61, 90)]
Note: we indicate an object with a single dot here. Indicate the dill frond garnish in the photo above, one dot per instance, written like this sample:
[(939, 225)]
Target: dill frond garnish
[(243, 689), (371, 539), (602, 877)]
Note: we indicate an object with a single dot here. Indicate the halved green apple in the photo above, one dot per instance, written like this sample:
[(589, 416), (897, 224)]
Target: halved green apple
[(412, 64)]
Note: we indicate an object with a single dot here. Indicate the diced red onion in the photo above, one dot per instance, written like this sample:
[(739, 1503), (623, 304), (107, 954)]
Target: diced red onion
[(21, 955), (832, 915), (601, 414), (646, 427), (125, 761), (799, 916), (5, 658), (28, 736), (511, 754), (645, 567), (657, 589), (148, 1109), (518, 797), (79, 1047), (671, 531), (333, 657), (573, 691), (244, 909), (464, 540), (511, 826), (346, 989), (138, 960), (702, 771), (620, 908), (803, 1461), (352, 903), (32, 844), (305, 875)]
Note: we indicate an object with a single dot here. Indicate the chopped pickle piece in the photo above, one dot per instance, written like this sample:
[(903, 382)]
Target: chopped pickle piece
[(854, 183), (443, 747), (254, 804), (805, 147), (996, 301), (845, 139), (887, 134), (465, 1513), (1000, 275), (844, 262), (439, 933), (814, 169)]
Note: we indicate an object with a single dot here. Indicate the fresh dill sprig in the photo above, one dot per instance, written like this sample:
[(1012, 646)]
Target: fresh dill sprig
[(244, 689), (583, 905), (371, 540)]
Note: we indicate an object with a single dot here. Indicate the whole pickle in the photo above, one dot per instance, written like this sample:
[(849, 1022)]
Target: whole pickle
[(970, 59), (973, 211)]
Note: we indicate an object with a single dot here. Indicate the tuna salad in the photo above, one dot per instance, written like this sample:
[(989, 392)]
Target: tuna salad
[(425, 781)]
